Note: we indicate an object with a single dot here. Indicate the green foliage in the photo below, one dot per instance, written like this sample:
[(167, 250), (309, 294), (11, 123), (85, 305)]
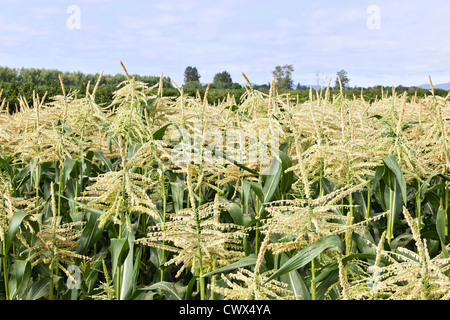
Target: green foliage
[(222, 80), (191, 74), (192, 85), (341, 80), (283, 77)]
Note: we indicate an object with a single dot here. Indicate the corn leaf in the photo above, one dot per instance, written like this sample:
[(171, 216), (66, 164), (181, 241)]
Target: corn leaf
[(295, 282), (247, 261), (172, 291), (14, 225), (440, 227), (119, 250), (392, 164), (23, 275), (306, 255)]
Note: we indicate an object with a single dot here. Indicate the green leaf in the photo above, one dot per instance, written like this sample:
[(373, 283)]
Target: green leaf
[(287, 178), (81, 204), (272, 181), (119, 251), (5, 163), (133, 148), (219, 153), (190, 288), (392, 164), (128, 282), (256, 187), (440, 227), (70, 189), (173, 291), (306, 255), (295, 281), (106, 161), (245, 195), (425, 187), (88, 164), (14, 225), (67, 169), (177, 188), (249, 260), (23, 275), (38, 290), (355, 256), (395, 206), (235, 212), (379, 173), (443, 176), (159, 134), (91, 232)]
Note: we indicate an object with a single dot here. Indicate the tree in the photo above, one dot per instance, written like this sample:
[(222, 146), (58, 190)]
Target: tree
[(222, 80), (8, 74), (191, 74), (344, 80), (283, 77)]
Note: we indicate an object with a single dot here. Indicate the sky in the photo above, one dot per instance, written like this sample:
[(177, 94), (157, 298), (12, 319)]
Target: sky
[(389, 43)]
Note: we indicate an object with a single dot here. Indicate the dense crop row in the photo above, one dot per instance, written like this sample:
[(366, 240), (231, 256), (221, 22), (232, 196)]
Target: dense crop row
[(156, 197)]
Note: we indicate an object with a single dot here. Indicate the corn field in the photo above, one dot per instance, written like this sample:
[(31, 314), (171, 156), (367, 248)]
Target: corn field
[(175, 198)]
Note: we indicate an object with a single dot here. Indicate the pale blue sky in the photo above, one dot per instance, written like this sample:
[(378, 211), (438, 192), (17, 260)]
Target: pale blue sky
[(152, 37)]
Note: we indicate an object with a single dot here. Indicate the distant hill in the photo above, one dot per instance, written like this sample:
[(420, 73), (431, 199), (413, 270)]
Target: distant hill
[(445, 86)]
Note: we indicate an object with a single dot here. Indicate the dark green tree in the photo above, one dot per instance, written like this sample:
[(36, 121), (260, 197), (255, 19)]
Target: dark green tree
[(191, 74), (283, 77), (8, 74), (222, 80), (344, 80)]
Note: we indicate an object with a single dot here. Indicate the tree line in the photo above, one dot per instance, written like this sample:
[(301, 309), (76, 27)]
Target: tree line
[(42, 76), (221, 80), (15, 83)]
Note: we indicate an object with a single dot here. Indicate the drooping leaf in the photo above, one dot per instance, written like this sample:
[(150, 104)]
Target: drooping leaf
[(256, 187), (106, 161), (249, 260), (392, 164), (172, 290), (307, 254), (14, 225), (235, 212)]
